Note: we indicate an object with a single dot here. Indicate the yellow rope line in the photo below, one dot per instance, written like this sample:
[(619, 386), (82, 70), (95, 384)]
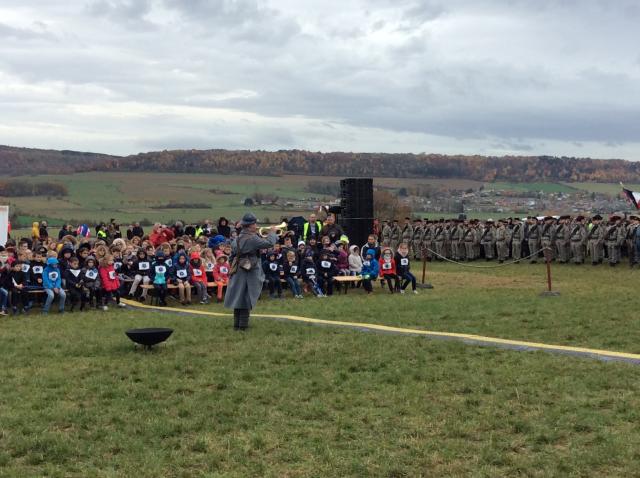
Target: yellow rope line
[(402, 330)]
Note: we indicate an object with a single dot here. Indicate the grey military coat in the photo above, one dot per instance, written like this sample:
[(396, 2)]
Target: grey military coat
[(245, 287)]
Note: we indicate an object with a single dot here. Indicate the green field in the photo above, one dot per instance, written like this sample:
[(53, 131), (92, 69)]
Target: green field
[(286, 399), (129, 197), (603, 188), (534, 187), (134, 196)]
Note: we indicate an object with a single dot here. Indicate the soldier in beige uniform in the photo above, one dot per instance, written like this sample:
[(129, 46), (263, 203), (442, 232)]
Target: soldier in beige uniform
[(456, 236), (386, 234), (396, 235), (502, 246), (595, 240), (634, 221), (614, 236), (532, 237), (468, 238), (427, 238), (517, 236), (477, 238), (446, 248), (439, 238), (416, 239), (487, 240), (578, 238), (406, 233), (547, 236), (562, 239)]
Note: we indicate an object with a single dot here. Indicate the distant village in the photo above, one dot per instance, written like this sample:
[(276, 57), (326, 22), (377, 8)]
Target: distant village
[(480, 201), (487, 200)]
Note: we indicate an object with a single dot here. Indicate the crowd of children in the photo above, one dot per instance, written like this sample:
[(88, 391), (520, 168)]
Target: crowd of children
[(317, 265), (82, 273)]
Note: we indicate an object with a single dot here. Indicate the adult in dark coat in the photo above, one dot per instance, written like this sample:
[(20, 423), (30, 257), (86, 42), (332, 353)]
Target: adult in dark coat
[(331, 229), (223, 227), (64, 231), (245, 286)]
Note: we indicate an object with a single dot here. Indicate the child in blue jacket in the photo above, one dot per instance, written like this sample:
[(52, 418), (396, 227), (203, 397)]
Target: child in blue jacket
[(370, 270), (159, 275), (52, 283)]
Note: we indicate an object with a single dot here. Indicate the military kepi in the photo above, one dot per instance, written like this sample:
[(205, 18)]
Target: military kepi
[(248, 219)]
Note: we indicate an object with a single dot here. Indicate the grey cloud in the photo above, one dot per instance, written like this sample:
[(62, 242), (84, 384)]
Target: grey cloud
[(9, 32), (424, 11), (129, 13), (243, 20), (513, 78), (229, 138), (513, 147), (120, 9)]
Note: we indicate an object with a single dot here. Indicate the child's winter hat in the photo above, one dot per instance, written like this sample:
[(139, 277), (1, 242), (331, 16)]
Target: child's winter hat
[(220, 254), (66, 248), (195, 255), (301, 243), (52, 261), (84, 245), (215, 241)]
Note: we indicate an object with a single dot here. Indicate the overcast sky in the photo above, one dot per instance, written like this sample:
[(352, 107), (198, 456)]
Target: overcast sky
[(451, 76)]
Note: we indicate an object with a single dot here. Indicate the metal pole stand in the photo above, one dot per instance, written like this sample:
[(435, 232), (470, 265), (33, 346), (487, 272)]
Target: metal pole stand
[(549, 292), (424, 285)]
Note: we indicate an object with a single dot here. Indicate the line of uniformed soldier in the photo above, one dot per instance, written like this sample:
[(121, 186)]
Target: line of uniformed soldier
[(565, 239)]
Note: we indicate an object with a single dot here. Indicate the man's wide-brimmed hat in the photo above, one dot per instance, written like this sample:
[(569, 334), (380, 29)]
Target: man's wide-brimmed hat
[(248, 219)]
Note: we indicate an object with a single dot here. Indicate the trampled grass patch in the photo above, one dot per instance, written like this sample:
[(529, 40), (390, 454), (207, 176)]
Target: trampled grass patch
[(285, 399)]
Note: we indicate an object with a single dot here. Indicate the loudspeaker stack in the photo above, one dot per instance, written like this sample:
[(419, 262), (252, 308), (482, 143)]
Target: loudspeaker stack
[(357, 208)]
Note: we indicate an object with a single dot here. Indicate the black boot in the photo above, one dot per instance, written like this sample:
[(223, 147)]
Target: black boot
[(236, 319), (244, 319)]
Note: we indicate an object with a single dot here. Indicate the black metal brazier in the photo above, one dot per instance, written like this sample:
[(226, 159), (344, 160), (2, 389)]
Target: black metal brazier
[(149, 336)]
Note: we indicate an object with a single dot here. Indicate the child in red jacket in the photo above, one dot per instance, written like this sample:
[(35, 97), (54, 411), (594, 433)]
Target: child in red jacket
[(199, 277), (388, 269), (221, 272), (110, 282)]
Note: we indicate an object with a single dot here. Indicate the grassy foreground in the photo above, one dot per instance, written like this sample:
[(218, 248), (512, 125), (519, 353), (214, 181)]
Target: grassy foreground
[(77, 399)]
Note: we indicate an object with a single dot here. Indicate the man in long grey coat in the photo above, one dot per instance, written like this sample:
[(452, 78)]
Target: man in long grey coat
[(245, 285)]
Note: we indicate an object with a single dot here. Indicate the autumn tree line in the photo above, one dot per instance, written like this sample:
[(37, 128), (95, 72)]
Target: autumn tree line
[(23, 161), (25, 189)]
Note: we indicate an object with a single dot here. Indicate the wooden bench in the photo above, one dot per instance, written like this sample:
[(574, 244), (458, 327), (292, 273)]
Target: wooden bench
[(210, 285), (355, 280), (174, 287)]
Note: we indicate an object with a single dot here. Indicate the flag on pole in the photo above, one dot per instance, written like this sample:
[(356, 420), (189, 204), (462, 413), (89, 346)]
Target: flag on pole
[(632, 196)]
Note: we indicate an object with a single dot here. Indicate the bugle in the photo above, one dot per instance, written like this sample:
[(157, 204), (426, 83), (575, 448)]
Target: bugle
[(280, 229)]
